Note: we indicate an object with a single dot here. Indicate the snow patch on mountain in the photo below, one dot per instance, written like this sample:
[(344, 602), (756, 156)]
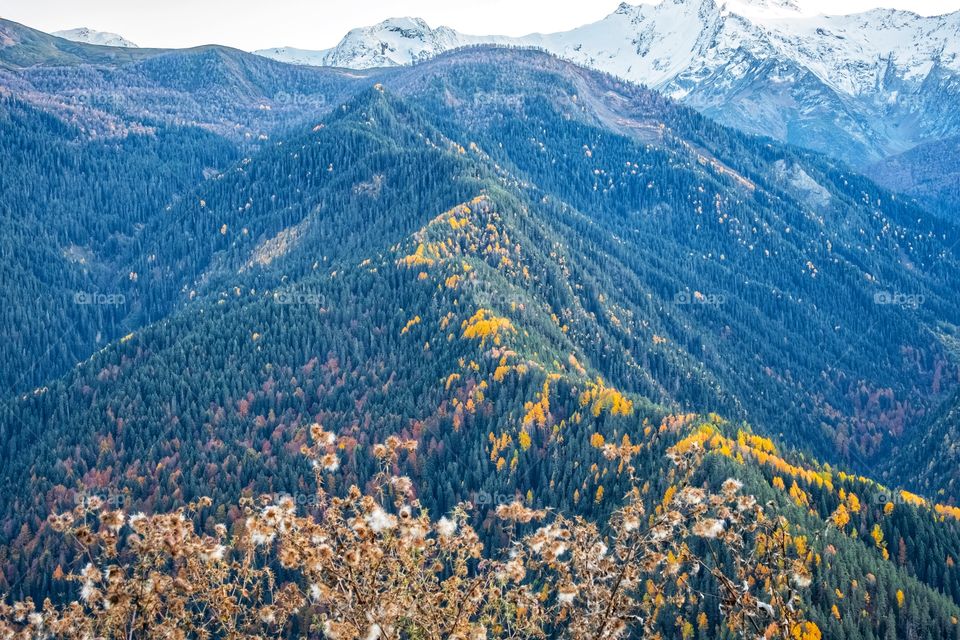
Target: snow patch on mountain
[(91, 36), (293, 55)]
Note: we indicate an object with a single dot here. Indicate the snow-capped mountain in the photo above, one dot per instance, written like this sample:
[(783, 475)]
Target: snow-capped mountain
[(91, 36), (393, 42), (860, 87)]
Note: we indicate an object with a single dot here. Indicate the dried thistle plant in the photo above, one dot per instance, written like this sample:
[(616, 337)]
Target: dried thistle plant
[(376, 566)]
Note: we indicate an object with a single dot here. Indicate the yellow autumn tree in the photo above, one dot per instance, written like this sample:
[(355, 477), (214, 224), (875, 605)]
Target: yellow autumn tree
[(601, 398), (853, 503), (840, 517), (484, 325), (524, 439), (805, 631)]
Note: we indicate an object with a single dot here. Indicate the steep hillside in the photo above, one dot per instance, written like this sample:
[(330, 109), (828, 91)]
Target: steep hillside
[(931, 459), (21, 46), (930, 173), (700, 267), (379, 275), (697, 232), (363, 342), (678, 236)]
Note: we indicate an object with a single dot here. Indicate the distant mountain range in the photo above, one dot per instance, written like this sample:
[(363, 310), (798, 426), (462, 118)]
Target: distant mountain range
[(859, 87), (862, 88)]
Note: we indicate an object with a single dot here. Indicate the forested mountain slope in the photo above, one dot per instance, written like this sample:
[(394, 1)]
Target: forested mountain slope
[(70, 207), (929, 172), (739, 228), (109, 91), (931, 458), (97, 143), (699, 215)]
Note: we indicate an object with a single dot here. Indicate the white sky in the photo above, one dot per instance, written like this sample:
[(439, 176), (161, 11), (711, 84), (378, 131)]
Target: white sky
[(318, 24)]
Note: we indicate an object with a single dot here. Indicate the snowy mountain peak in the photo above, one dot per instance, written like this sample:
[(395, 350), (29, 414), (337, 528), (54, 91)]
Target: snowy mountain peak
[(91, 36), (395, 41), (411, 27)]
